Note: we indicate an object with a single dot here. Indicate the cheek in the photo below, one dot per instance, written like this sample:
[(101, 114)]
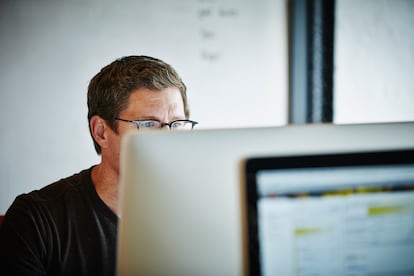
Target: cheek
[(114, 146), (116, 140), (115, 154)]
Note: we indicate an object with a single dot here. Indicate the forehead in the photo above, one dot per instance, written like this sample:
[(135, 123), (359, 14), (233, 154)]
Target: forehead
[(144, 101), (146, 97)]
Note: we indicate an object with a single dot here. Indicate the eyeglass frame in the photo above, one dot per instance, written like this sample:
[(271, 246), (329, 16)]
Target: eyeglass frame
[(162, 124)]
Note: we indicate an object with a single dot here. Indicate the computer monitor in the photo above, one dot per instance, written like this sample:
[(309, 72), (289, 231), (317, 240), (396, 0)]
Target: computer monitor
[(183, 197), (331, 214)]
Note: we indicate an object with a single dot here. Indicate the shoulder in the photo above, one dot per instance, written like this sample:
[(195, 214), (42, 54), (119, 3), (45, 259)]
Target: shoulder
[(37, 224), (60, 188), (55, 193)]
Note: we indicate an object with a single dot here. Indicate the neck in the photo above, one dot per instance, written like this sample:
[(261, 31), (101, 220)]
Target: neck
[(106, 182)]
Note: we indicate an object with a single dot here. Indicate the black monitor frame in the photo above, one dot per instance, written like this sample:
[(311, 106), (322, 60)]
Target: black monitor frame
[(254, 165)]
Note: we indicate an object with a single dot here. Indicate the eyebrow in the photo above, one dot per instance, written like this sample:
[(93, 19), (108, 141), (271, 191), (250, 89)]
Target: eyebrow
[(155, 118)]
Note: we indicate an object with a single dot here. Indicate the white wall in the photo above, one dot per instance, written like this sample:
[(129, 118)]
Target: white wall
[(374, 61), (231, 54)]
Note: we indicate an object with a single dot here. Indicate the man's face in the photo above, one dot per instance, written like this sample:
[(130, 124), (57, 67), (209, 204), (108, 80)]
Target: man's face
[(165, 106)]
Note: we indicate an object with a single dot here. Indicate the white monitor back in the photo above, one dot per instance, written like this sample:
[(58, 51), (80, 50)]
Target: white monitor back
[(182, 196)]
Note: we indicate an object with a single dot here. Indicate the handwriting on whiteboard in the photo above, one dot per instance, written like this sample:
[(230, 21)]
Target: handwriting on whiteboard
[(214, 17)]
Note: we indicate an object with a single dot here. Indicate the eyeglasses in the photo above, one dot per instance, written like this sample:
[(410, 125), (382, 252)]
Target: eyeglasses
[(155, 124)]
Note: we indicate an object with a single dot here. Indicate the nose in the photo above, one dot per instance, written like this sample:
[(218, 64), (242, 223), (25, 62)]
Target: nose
[(165, 126)]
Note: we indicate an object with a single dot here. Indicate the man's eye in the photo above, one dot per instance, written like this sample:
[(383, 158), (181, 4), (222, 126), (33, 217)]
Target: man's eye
[(149, 124), (178, 124)]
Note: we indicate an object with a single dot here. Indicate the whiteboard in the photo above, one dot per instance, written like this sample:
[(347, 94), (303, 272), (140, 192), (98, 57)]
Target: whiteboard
[(231, 54)]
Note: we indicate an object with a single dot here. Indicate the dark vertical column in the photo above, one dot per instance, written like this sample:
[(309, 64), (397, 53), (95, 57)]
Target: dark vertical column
[(298, 61), (311, 61)]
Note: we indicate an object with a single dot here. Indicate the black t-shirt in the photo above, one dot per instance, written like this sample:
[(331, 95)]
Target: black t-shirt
[(62, 229)]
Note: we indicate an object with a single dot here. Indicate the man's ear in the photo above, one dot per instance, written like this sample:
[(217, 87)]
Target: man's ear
[(99, 130)]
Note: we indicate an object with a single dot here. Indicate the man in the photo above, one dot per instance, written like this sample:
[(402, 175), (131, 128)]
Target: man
[(70, 227)]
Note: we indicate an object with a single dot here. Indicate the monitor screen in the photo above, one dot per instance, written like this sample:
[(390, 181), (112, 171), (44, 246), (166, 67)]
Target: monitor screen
[(331, 214)]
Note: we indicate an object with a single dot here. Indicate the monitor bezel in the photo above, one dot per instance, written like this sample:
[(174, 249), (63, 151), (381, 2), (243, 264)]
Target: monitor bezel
[(328, 160)]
